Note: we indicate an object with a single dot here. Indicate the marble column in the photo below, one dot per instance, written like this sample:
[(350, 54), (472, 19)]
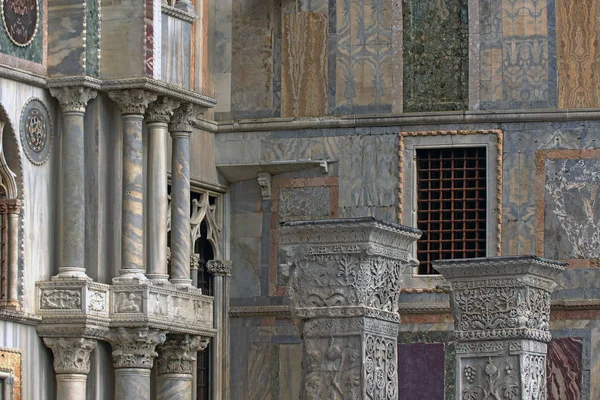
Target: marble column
[(12, 208), (501, 308), (133, 104), (158, 116), (175, 366), (221, 270), (71, 365), (133, 357), (343, 278), (181, 244), (73, 101)]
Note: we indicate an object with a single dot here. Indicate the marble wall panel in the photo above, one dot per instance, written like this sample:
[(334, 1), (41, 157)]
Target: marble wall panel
[(221, 57), (303, 203), (578, 53), (255, 28), (363, 57), (66, 46), (572, 208), (435, 55), (92, 38), (421, 371), (304, 65), (290, 371), (176, 51), (564, 368)]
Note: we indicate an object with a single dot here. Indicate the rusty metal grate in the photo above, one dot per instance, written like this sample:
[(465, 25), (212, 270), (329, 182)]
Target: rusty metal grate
[(451, 204)]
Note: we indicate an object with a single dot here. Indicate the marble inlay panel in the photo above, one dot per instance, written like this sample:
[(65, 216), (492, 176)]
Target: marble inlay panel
[(578, 53), (421, 371), (176, 51), (34, 49), (564, 368), (303, 203), (304, 65), (435, 55)]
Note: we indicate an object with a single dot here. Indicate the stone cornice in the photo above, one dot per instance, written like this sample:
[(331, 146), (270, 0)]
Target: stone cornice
[(19, 317), (263, 311), (177, 13)]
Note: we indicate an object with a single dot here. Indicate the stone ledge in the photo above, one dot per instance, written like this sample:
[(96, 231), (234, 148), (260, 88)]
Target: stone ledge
[(20, 317), (177, 13), (262, 311)]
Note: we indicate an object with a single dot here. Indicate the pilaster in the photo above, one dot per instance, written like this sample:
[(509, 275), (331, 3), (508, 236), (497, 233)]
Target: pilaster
[(176, 366), (501, 308), (133, 104), (73, 101), (158, 117), (181, 246), (343, 278)]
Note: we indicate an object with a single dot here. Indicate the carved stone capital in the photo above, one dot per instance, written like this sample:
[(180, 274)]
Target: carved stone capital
[(132, 101), (219, 267), (73, 98), (182, 119), (264, 180), (177, 354), (195, 261), (71, 355), (135, 347), (161, 110), (12, 206)]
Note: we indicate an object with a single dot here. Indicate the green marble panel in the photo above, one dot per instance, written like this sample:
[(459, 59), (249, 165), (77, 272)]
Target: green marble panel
[(92, 43), (34, 50), (435, 55)]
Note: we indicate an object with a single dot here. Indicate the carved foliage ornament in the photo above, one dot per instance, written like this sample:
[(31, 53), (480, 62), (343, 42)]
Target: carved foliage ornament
[(71, 355), (73, 99), (161, 110), (133, 101), (36, 131), (381, 369), (177, 354), (492, 378), (135, 348), (21, 20)]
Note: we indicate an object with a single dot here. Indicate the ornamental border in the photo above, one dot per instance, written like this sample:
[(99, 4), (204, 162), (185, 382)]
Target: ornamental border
[(35, 31)]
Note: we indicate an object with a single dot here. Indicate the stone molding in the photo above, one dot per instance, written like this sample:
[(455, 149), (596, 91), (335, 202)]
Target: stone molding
[(161, 110), (182, 120), (132, 101), (177, 13), (71, 355), (135, 347), (263, 311), (73, 98), (178, 353), (220, 267)]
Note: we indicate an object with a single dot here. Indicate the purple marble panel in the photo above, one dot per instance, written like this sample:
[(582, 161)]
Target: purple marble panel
[(564, 367), (421, 371)]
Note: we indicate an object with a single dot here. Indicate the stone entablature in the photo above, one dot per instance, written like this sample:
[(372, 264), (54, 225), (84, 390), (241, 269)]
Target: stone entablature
[(501, 308), (343, 278)]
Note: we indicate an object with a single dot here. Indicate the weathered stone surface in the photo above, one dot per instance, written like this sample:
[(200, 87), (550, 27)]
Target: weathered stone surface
[(303, 203), (435, 55), (572, 207)]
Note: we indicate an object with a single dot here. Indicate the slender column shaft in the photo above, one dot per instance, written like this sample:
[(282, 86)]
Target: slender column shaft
[(157, 201), (73, 101), (174, 387), (132, 239), (71, 386), (12, 295), (133, 104), (175, 367), (181, 247), (132, 384)]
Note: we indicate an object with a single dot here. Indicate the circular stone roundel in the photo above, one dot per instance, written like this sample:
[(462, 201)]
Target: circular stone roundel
[(21, 20), (36, 131)]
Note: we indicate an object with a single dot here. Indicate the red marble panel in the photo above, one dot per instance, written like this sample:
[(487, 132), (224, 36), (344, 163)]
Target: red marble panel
[(564, 368)]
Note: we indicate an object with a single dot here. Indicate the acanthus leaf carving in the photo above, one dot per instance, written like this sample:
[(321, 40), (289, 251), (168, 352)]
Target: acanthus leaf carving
[(73, 98), (177, 354), (71, 355), (135, 347)]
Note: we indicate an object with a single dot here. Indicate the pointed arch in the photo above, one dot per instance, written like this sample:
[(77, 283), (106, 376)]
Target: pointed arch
[(11, 172)]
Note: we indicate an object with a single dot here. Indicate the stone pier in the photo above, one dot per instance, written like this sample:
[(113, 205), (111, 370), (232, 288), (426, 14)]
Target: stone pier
[(501, 310), (343, 278)]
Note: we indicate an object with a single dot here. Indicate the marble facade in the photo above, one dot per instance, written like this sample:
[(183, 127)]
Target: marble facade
[(278, 111)]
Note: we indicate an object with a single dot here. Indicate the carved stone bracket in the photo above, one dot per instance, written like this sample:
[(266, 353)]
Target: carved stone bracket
[(182, 119), (219, 267), (135, 347), (161, 110), (264, 180), (73, 98), (177, 354), (132, 101), (71, 355), (344, 277), (501, 310)]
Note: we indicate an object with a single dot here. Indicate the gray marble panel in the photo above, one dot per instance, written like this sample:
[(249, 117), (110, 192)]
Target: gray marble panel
[(303, 203)]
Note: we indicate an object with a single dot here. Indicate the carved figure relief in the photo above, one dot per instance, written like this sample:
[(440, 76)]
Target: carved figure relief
[(61, 299), (128, 303), (36, 131), (21, 19)]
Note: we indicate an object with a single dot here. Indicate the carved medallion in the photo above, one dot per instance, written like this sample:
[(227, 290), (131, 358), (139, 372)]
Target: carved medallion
[(36, 131), (21, 18)]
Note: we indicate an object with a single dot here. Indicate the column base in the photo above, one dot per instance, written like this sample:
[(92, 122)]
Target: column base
[(129, 276), (181, 283), (71, 272), (158, 279)]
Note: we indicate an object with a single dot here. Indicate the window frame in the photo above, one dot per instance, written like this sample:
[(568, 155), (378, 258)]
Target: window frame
[(409, 143)]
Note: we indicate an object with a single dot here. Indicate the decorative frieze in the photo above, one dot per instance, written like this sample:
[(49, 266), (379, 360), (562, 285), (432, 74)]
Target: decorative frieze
[(71, 355), (501, 309)]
